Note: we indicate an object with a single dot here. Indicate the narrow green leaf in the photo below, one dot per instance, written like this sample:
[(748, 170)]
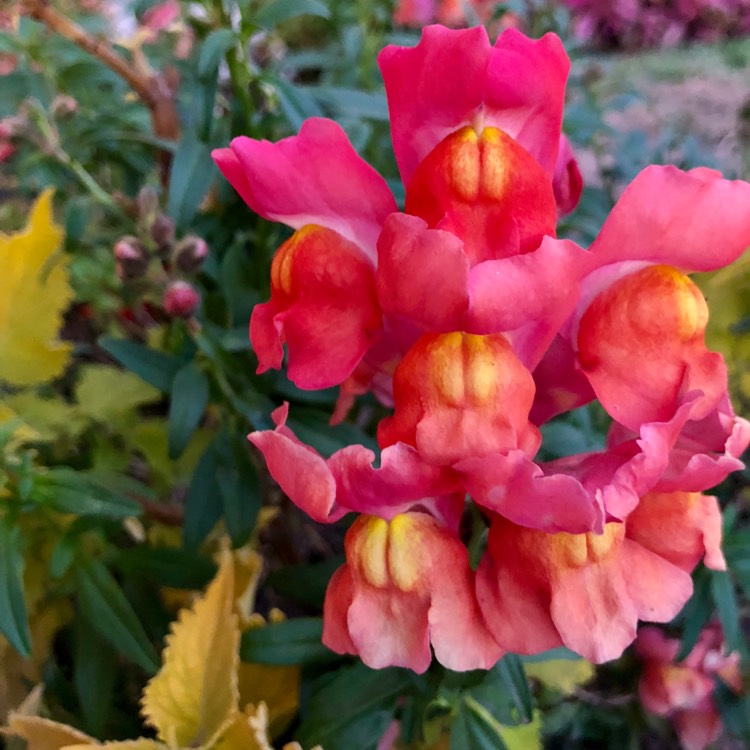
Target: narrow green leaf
[(175, 567), (94, 673), (697, 612), (239, 487), (105, 607), (513, 676), (722, 590), (14, 623), (73, 492), (154, 367), (189, 399), (286, 643), (213, 50), (203, 506), (193, 171), (282, 10)]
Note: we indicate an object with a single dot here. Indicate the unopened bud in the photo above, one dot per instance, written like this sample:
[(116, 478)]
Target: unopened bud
[(162, 232), (180, 300), (189, 253), (148, 203), (63, 106), (132, 258)]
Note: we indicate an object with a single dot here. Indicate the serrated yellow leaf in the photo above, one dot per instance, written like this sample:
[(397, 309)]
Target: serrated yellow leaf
[(34, 292), (45, 734), (564, 675), (247, 731), (142, 743), (524, 736), (194, 695), (51, 418), (248, 565), (104, 393), (277, 687)]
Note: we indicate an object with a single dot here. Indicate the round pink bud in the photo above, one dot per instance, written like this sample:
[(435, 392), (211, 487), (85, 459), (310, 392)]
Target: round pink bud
[(132, 258), (180, 300), (189, 253)]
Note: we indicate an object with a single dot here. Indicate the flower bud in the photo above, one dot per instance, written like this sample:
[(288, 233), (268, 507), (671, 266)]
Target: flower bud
[(162, 232), (63, 106), (180, 300), (148, 203), (189, 253), (131, 257)]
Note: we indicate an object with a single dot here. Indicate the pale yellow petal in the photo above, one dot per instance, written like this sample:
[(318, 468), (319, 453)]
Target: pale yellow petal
[(34, 293), (195, 693)]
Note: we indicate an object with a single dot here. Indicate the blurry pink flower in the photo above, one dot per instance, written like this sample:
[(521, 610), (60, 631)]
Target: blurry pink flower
[(683, 691), (161, 16), (180, 300)]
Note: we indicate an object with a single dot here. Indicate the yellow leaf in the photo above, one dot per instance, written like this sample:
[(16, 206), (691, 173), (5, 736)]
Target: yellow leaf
[(248, 565), (561, 674), (104, 392), (142, 743), (524, 736), (191, 700), (51, 418), (45, 734), (22, 433), (277, 687), (34, 292), (248, 731)]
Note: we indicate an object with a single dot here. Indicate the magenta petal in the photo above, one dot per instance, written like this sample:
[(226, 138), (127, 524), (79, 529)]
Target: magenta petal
[(525, 92), (422, 274), (315, 177), (402, 481), (433, 89), (516, 488), (694, 221)]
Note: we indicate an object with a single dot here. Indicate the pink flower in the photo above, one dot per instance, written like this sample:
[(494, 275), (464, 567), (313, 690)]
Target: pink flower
[(587, 591), (683, 690), (406, 585)]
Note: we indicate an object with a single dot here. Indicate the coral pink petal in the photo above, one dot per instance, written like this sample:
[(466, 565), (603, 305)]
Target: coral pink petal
[(515, 608), (694, 221), (516, 488), (339, 597), (265, 334), (402, 480), (592, 609), (422, 274), (567, 181), (315, 177), (301, 473), (658, 589), (697, 729), (390, 628)]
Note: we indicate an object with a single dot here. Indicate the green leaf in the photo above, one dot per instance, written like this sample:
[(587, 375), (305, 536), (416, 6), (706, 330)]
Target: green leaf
[(512, 674), (734, 710), (339, 707), (239, 487), (193, 170), (14, 623), (175, 567), (697, 612), (154, 367), (105, 607), (305, 583), (203, 502), (94, 673), (474, 728), (188, 401), (69, 491), (282, 10), (213, 50), (722, 590), (286, 643)]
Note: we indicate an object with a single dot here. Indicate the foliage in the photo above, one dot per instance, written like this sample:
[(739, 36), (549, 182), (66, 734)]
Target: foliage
[(123, 457)]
